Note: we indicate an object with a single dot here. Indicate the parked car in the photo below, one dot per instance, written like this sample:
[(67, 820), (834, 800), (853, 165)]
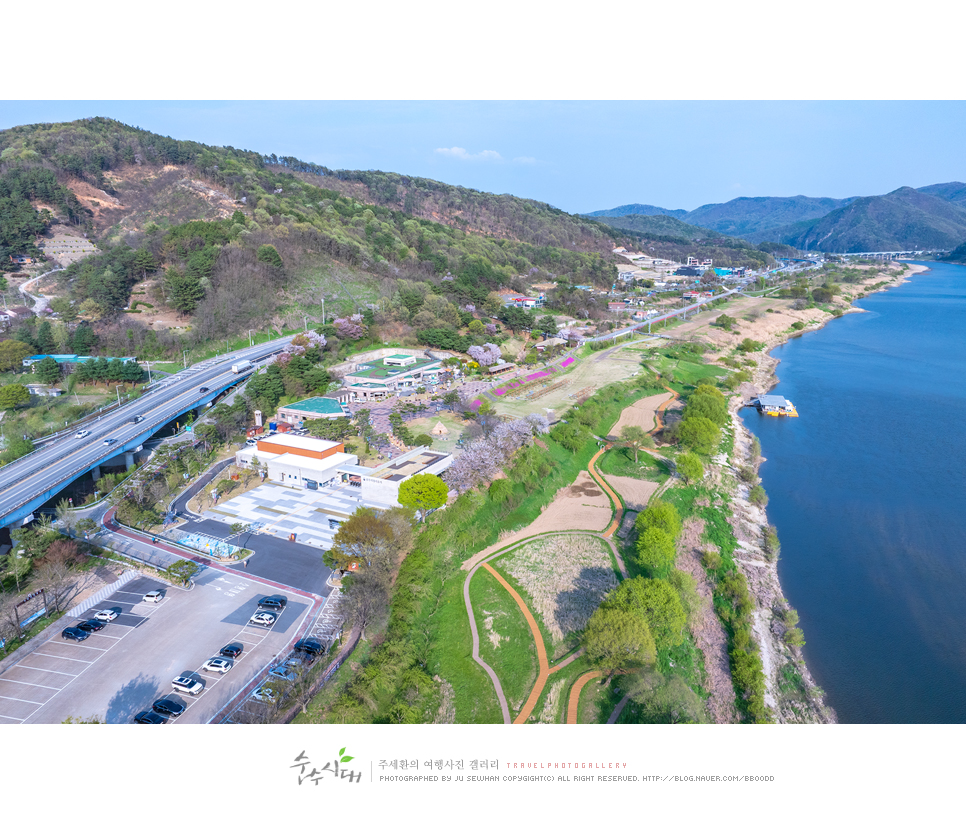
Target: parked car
[(266, 694), (107, 615), (310, 646), (283, 673), (82, 433), (276, 602), (154, 596), (265, 618), (232, 650), (77, 634), (90, 625), (187, 684), (168, 708), (218, 664), (109, 441), (149, 717)]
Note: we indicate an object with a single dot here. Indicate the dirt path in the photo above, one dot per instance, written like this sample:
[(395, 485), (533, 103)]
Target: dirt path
[(573, 704), (615, 500), (538, 643)]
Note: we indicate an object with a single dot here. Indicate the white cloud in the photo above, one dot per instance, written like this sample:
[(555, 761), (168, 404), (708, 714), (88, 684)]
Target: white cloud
[(525, 160), (463, 155)]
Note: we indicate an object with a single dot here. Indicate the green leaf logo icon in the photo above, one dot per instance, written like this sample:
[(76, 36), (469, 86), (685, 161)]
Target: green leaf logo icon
[(343, 757)]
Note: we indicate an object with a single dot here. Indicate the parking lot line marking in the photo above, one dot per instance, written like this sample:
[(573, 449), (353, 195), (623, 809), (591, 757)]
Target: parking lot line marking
[(25, 683), (93, 648), (19, 700), (58, 657), (37, 668), (7, 717)]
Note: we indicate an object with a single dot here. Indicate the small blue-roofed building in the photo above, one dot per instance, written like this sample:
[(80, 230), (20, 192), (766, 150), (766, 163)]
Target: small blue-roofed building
[(312, 409), (69, 360)]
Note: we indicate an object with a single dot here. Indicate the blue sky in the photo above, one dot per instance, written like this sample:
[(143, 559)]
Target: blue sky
[(581, 155)]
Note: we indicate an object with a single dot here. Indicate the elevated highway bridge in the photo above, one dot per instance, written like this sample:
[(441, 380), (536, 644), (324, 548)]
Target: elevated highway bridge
[(30, 481)]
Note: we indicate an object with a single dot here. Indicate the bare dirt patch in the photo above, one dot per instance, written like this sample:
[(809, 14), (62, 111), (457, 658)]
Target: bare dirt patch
[(639, 414), (580, 506), (566, 577), (634, 491)]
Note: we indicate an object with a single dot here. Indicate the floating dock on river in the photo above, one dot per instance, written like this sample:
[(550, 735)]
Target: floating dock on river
[(774, 405)]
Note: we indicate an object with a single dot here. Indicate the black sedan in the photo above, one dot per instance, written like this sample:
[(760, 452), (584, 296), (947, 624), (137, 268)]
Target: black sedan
[(149, 717), (231, 650), (168, 708), (77, 634), (90, 625), (309, 646)]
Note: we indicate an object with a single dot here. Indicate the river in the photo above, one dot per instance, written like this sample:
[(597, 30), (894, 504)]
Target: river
[(867, 489)]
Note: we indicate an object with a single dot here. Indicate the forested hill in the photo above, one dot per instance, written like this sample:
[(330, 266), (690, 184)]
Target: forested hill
[(231, 239), (905, 219), (753, 218), (666, 237), (638, 210)]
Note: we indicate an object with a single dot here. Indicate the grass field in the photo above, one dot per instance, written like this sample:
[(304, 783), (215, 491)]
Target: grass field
[(453, 423), (506, 642), (565, 577), (619, 461), (592, 372)]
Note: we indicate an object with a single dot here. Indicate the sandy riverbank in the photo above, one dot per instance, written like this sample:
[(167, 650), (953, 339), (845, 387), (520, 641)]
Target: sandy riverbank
[(750, 524)]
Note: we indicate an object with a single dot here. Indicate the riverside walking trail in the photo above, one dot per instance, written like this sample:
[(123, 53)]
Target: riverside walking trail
[(543, 663)]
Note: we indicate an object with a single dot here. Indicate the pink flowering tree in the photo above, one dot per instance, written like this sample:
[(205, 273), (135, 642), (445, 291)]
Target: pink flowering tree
[(350, 328)]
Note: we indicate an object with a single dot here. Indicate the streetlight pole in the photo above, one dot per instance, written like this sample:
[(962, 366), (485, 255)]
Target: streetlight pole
[(323, 311), (184, 354), (250, 341), (118, 390), (305, 321)]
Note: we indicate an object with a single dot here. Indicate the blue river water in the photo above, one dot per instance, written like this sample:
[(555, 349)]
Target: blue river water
[(867, 489)]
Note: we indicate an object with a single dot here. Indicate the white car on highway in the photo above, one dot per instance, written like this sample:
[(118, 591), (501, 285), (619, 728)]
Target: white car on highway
[(82, 433)]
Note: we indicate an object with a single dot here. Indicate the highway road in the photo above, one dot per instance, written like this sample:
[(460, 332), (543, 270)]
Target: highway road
[(30, 481)]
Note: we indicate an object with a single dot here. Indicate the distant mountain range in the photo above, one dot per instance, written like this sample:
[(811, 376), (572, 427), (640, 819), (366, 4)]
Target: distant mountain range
[(907, 219)]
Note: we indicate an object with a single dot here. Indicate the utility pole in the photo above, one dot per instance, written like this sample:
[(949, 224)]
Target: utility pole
[(323, 311)]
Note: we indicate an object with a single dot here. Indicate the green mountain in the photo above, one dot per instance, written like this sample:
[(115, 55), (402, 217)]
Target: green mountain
[(231, 239), (753, 218), (660, 225), (666, 237), (640, 210), (905, 219), (950, 191)]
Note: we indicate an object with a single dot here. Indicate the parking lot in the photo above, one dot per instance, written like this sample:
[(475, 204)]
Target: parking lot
[(123, 668)]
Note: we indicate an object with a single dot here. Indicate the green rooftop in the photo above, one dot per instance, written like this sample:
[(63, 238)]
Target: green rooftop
[(380, 371), (317, 406)]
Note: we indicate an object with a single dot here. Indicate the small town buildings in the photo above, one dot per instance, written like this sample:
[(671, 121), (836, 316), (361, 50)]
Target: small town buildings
[(618, 306), (700, 263), (41, 390), (550, 343), (21, 259), (381, 377), (500, 368), (315, 464), (312, 409)]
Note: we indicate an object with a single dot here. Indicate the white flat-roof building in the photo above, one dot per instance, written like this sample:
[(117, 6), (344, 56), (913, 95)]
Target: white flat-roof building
[(313, 463)]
